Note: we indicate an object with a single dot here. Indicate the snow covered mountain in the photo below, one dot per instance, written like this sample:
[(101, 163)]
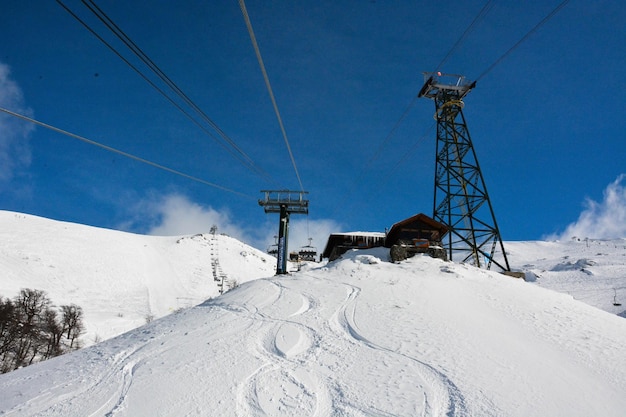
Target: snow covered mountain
[(358, 337), (121, 280), (590, 270)]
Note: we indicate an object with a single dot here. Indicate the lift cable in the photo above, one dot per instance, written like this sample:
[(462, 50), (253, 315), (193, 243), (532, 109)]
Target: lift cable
[(481, 14), (410, 152), (234, 150), (483, 74), (257, 51), (122, 153), (524, 38), (113, 27)]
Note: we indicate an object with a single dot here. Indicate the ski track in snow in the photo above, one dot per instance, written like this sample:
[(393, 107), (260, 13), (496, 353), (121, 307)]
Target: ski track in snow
[(284, 348), (286, 384), (127, 372), (440, 393), (116, 380)]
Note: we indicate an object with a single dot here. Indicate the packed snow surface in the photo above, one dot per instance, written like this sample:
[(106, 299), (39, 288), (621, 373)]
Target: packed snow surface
[(360, 336)]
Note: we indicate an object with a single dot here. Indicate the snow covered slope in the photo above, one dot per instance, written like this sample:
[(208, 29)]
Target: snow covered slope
[(590, 270), (358, 337), (121, 280)]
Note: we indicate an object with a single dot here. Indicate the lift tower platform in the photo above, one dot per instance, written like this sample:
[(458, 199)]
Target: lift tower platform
[(284, 202), (461, 201)]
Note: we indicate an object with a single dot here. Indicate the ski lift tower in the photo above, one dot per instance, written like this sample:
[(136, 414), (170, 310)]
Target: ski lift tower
[(461, 201), (284, 202)]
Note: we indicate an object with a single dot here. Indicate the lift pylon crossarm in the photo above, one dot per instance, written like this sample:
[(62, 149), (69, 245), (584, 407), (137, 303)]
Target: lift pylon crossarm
[(293, 200), (436, 82)]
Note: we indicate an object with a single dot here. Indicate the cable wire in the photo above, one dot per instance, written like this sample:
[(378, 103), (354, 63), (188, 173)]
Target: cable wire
[(122, 153), (257, 51), (481, 14), (524, 38), (234, 150), (408, 153), (113, 27)]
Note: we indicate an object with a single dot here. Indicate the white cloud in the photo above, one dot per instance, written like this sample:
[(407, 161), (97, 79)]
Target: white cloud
[(15, 151), (603, 220), (176, 215)]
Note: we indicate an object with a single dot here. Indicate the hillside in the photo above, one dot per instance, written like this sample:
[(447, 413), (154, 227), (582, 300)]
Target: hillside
[(590, 270), (359, 337), (121, 280)]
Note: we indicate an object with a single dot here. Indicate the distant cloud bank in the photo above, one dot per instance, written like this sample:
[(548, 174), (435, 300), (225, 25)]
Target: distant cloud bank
[(603, 220), (15, 153)]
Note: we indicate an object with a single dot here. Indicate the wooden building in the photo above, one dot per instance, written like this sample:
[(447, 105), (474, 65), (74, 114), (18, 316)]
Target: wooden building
[(417, 234), (416, 230)]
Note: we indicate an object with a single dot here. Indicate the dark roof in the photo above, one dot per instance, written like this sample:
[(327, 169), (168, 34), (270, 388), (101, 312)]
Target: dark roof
[(419, 226), (339, 243)]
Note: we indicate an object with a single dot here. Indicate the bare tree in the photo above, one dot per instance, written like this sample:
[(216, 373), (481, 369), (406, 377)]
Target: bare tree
[(51, 335), (31, 330), (30, 308), (8, 333), (73, 325)]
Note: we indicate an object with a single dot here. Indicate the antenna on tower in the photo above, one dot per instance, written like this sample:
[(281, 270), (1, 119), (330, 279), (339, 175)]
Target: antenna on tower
[(461, 201)]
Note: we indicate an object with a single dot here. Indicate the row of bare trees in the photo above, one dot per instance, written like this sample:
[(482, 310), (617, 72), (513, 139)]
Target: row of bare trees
[(33, 330)]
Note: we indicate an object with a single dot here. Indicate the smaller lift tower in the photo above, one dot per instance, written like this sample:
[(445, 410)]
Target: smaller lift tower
[(461, 201), (284, 202)]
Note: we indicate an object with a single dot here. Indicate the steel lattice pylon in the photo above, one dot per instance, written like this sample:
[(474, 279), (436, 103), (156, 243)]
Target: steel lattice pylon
[(461, 201)]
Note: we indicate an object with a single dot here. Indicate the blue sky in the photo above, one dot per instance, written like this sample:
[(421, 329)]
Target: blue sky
[(547, 122)]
